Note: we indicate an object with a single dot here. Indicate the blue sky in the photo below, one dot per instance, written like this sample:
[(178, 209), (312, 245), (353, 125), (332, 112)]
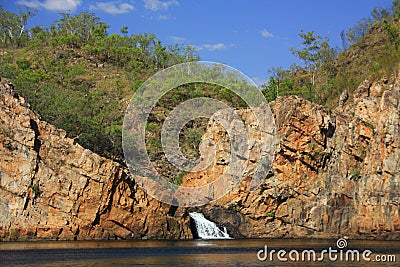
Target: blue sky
[(250, 35)]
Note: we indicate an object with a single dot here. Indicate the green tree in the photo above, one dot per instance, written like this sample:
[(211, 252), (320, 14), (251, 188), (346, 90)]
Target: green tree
[(390, 24), (38, 33), (316, 51), (13, 26), (271, 89), (396, 10), (82, 26), (145, 42), (393, 31), (380, 14), (124, 30), (345, 41), (357, 33), (100, 31)]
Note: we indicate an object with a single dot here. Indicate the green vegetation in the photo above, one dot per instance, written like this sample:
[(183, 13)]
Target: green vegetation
[(13, 31), (35, 189), (179, 179), (370, 50), (355, 174), (234, 207), (191, 134), (13, 234), (80, 78), (369, 125)]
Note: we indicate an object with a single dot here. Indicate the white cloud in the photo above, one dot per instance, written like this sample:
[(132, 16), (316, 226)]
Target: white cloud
[(177, 39), (53, 5), (163, 17), (113, 8), (155, 5), (213, 47), (265, 33), (196, 47)]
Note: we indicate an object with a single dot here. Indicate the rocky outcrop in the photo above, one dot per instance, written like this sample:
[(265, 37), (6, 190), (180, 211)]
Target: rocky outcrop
[(334, 173), (51, 188)]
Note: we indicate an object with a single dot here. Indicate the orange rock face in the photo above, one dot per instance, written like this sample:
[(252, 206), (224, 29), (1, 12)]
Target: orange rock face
[(51, 188), (333, 173)]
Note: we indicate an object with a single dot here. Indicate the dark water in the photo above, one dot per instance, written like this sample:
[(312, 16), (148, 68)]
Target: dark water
[(183, 253)]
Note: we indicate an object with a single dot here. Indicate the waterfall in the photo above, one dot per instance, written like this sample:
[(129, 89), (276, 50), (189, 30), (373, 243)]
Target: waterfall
[(207, 229)]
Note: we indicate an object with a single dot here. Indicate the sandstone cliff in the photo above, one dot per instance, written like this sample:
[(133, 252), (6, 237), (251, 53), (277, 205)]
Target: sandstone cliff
[(334, 173), (51, 188)]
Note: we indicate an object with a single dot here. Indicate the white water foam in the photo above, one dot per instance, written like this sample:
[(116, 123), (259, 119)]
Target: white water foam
[(207, 229)]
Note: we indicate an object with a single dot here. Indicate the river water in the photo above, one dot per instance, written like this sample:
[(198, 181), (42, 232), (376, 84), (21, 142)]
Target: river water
[(189, 253)]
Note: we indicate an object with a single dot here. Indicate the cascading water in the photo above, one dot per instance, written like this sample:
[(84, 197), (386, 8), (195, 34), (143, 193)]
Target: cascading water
[(207, 229)]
